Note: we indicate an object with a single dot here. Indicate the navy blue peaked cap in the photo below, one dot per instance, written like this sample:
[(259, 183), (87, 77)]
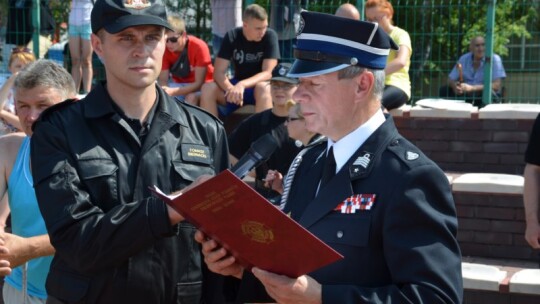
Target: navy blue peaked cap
[(116, 15), (327, 43)]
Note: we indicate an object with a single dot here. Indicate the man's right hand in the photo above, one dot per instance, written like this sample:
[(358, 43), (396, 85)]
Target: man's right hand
[(235, 94), (532, 234), (175, 217), (217, 258)]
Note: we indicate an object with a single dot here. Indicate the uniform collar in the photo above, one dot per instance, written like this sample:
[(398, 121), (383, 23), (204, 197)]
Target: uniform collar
[(100, 104), (347, 146)]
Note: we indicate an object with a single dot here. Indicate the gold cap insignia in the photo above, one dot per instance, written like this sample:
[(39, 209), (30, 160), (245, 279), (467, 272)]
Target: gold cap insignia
[(137, 4)]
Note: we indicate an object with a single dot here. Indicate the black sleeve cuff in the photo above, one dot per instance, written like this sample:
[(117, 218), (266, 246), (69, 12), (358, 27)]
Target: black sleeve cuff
[(158, 218)]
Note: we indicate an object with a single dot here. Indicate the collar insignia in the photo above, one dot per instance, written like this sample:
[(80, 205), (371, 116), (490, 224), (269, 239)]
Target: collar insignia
[(363, 160), (360, 166)]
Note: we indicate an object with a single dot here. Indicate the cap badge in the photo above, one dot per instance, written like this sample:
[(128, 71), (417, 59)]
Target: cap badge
[(301, 25), (412, 155), (137, 4), (282, 71)]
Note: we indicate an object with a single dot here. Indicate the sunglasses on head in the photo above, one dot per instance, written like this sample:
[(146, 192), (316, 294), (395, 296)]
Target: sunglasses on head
[(172, 39), (17, 50)]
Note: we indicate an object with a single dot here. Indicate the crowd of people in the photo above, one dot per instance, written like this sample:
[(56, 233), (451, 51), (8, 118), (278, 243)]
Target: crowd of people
[(75, 178)]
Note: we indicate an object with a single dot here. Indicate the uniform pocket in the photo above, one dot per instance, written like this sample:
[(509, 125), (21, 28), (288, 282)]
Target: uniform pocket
[(73, 287), (99, 175), (189, 292), (186, 173)]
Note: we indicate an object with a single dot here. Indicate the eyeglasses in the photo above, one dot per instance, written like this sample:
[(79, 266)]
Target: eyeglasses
[(17, 50), (173, 39), (289, 119), (281, 86)]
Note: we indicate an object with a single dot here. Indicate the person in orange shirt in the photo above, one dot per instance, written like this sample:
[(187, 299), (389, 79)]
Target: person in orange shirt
[(187, 64)]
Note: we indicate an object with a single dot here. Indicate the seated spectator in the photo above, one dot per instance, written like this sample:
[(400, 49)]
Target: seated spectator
[(186, 61), (253, 50), (296, 127), (9, 122), (269, 121), (397, 85), (466, 80)]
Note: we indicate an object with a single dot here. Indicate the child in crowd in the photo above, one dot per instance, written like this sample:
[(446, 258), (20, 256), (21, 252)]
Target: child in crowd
[(20, 57)]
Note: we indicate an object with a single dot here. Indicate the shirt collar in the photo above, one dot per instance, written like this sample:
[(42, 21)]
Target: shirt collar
[(347, 146)]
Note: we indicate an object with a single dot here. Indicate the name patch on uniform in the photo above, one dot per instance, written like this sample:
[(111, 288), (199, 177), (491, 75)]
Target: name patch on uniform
[(355, 202), (196, 153)]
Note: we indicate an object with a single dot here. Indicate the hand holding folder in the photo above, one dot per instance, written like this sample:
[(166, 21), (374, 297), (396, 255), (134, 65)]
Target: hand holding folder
[(253, 230)]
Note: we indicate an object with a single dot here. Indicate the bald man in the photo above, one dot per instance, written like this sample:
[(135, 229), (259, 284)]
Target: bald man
[(347, 10)]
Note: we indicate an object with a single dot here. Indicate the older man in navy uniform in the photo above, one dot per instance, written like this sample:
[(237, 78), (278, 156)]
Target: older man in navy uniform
[(367, 192)]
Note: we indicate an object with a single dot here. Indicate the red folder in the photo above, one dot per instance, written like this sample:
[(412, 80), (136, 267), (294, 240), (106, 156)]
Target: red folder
[(253, 230)]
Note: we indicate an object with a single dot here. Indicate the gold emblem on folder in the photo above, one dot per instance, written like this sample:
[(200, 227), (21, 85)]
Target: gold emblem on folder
[(257, 232)]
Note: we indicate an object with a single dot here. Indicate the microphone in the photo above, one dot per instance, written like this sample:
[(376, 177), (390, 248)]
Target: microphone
[(259, 152)]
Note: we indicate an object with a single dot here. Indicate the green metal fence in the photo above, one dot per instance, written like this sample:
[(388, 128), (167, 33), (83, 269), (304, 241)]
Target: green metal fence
[(440, 31)]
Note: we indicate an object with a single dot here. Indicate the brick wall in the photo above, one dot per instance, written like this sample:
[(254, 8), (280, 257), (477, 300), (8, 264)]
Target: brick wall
[(470, 145), (492, 226), (488, 297)]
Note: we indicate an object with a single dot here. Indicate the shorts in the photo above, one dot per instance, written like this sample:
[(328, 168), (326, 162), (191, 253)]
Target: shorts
[(84, 31), (249, 99), (173, 84), (13, 295)]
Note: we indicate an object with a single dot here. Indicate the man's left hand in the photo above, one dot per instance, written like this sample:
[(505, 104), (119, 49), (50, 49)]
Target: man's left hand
[(286, 290)]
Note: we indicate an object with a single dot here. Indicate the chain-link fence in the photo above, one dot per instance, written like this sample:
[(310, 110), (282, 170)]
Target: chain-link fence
[(440, 31)]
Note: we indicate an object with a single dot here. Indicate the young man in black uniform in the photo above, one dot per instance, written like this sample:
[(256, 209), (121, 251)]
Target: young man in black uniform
[(367, 192), (94, 160), (253, 52)]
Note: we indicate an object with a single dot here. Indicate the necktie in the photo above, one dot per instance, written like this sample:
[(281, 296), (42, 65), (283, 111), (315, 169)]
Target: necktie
[(329, 168)]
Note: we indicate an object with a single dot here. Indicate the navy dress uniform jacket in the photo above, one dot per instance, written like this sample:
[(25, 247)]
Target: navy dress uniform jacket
[(114, 241), (403, 249)]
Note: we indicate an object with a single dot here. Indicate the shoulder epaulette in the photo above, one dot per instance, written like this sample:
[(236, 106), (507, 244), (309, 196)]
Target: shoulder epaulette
[(199, 109), (408, 153), (54, 108)]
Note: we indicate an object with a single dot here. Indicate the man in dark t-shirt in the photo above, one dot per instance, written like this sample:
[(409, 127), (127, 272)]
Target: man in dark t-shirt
[(269, 121), (531, 189), (253, 52)]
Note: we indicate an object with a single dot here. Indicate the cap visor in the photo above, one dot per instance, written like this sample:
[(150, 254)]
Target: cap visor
[(307, 68), (134, 20), (285, 79)]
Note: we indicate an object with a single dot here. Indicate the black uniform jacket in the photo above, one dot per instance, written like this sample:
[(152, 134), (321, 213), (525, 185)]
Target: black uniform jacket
[(114, 242), (400, 246)]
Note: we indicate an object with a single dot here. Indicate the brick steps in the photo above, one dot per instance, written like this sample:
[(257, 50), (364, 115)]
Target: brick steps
[(496, 259)]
